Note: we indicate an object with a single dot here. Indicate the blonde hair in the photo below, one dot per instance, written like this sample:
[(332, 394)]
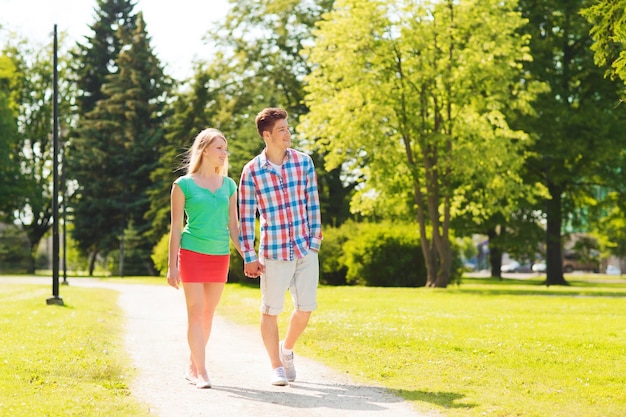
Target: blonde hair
[(193, 158)]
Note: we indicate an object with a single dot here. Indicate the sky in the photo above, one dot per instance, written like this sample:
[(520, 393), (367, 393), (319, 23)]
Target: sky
[(176, 28)]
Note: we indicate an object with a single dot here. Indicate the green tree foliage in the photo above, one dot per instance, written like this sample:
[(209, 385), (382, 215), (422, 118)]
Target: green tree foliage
[(94, 61), (36, 91), (411, 96), (192, 110), (259, 62), (160, 255), (608, 18), (33, 96), (137, 257), (117, 147), (261, 44), (10, 190), (137, 97), (578, 129), (612, 227), (229, 89), (96, 58), (14, 249)]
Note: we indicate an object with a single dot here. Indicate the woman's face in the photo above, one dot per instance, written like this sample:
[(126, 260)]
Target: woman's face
[(216, 152)]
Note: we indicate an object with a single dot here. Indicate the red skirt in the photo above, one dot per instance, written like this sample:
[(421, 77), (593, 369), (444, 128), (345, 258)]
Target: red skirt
[(198, 267)]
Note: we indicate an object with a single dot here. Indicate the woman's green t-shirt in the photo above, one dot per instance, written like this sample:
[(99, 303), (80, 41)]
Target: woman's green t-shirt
[(206, 230)]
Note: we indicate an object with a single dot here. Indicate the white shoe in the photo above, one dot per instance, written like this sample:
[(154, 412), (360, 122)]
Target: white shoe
[(278, 377), (202, 383), (190, 378), (287, 360)]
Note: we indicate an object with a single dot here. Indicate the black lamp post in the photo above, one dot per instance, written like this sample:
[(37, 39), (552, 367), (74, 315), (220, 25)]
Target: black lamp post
[(55, 299)]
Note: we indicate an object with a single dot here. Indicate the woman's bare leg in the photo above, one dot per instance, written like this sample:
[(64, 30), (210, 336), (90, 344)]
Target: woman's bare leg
[(202, 300)]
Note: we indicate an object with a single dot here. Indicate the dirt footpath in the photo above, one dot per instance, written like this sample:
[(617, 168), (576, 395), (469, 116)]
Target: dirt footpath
[(238, 368)]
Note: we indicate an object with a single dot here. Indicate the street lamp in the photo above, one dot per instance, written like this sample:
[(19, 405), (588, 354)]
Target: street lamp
[(55, 299)]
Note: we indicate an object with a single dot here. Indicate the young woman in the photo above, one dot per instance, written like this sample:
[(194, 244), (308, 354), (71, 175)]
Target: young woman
[(199, 249)]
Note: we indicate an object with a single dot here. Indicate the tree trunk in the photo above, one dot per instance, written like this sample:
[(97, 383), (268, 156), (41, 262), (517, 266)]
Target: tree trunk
[(427, 246), (32, 258), (431, 262), (495, 253), (121, 255), (35, 233), (554, 256), (444, 262), (92, 262), (440, 241), (429, 253), (441, 244)]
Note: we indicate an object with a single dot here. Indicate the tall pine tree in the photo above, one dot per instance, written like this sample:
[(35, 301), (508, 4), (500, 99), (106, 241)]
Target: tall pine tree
[(135, 98), (95, 60), (116, 144)]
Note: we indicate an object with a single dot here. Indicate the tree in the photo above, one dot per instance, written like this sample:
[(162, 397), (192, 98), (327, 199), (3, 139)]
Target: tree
[(612, 227), (578, 129), (260, 62), (96, 58), (263, 41), (94, 61), (608, 18), (128, 121), (11, 194), (609, 34), (33, 92), (411, 96)]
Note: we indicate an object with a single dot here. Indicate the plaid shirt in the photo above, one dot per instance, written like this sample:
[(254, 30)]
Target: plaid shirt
[(288, 206)]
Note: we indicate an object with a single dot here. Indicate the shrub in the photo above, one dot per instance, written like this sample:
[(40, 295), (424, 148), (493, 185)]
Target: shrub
[(385, 255), (333, 268), (235, 271), (14, 249), (160, 254)]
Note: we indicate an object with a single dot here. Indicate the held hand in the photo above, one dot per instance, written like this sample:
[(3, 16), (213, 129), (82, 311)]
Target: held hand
[(253, 269), (173, 278)]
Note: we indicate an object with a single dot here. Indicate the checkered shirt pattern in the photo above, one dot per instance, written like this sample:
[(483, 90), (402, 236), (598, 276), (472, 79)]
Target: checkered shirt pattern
[(288, 207)]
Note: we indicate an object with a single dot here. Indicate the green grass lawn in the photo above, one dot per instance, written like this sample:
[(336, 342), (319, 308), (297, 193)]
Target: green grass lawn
[(485, 348), (63, 360)]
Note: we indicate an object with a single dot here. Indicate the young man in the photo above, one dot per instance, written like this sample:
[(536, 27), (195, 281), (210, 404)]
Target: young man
[(280, 184)]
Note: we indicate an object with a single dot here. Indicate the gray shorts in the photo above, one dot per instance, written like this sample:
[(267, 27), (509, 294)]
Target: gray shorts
[(299, 276)]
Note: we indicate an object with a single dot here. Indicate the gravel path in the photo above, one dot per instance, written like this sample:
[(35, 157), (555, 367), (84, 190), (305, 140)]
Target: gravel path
[(237, 364)]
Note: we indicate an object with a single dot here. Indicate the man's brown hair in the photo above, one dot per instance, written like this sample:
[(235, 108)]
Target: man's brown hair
[(267, 118)]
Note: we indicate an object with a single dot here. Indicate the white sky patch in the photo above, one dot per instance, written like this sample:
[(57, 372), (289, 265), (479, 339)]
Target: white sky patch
[(176, 29)]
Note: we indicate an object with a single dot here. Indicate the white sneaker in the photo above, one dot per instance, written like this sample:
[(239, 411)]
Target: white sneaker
[(278, 377), (287, 360), (202, 383), (190, 378)]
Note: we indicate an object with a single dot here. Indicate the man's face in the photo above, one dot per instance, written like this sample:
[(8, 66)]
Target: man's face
[(280, 136)]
